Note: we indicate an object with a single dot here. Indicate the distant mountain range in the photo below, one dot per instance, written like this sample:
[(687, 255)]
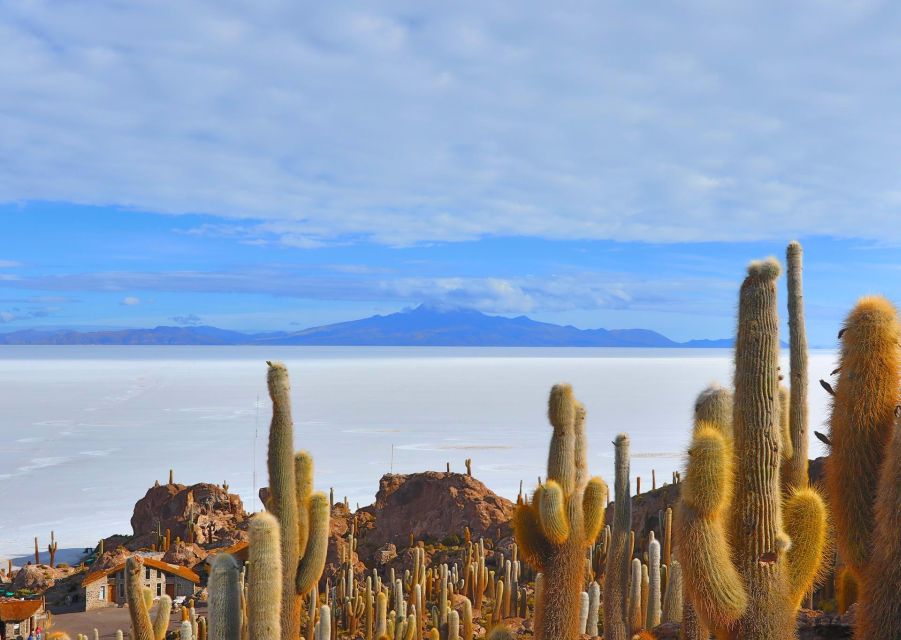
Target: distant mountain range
[(423, 326)]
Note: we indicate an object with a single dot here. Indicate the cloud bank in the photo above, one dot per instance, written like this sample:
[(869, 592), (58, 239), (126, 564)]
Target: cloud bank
[(410, 123)]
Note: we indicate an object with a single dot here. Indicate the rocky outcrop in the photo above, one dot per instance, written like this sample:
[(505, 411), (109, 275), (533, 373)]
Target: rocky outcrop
[(433, 506), (185, 554), (110, 559), (188, 512), (39, 577), (338, 549)]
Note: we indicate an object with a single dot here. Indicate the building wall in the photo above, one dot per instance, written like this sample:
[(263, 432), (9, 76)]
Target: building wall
[(115, 584), (183, 587), (94, 596), (26, 626)]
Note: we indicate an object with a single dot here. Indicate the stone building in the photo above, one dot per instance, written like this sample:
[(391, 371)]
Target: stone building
[(106, 587), (20, 617)]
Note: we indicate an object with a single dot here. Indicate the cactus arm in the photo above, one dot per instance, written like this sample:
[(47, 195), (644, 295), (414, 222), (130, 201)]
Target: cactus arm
[(137, 605), (804, 519), (561, 465), (717, 591), (594, 503), (532, 543), (303, 478), (310, 568), (786, 447), (579, 446), (161, 619), (552, 513)]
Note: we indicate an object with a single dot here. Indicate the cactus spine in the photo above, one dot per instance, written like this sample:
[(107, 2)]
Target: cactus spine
[(747, 590), (863, 471), (303, 516), (616, 584), (554, 531), (265, 578)]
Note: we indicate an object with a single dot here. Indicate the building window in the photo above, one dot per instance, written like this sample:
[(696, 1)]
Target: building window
[(121, 591), (103, 592), (159, 589), (147, 573), (159, 574)]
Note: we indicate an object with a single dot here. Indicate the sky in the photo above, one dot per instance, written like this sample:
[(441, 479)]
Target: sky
[(290, 164)]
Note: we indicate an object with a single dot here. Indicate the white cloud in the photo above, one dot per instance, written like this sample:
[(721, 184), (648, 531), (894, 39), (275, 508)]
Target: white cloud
[(9, 264), (130, 301), (411, 122), (516, 295)]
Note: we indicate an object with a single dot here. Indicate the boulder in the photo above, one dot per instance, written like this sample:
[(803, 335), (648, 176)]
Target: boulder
[(38, 577), (185, 554)]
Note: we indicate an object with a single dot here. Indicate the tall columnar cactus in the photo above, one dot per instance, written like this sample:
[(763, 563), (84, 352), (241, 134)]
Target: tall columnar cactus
[(672, 600), (303, 516), (226, 616), (748, 589), (616, 582), (562, 521), (863, 472), (264, 579), (794, 468), (654, 596), (52, 547), (142, 628)]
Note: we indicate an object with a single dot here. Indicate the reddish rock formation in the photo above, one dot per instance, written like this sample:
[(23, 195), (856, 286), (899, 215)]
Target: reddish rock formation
[(185, 554), (341, 519), (433, 506), (171, 506), (39, 577), (111, 558)]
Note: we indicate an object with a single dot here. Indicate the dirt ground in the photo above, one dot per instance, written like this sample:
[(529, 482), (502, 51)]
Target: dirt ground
[(106, 621)]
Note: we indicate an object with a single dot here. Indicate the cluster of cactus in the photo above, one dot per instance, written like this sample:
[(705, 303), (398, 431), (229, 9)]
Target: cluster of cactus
[(749, 552), (863, 471), (303, 515), (562, 521)]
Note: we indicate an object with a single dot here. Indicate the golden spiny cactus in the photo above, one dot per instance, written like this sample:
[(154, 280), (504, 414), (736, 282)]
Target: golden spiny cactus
[(565, 516), (734, 547), (863, 471)]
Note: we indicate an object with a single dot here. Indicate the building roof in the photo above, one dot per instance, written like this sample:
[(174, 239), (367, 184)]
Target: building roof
[(239, 550), (18, 610), (165, 567)]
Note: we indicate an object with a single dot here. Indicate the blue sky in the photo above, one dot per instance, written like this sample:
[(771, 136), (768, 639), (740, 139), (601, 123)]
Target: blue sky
[(291, 164)]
